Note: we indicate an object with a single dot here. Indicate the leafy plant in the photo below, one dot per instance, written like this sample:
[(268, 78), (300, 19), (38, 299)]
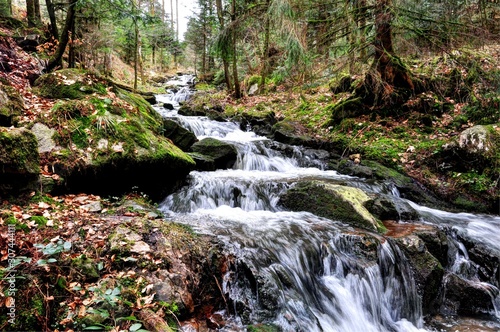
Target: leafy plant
[(52, 249)]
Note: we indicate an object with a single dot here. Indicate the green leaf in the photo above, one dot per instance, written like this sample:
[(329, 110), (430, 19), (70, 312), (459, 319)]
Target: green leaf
[(51, 260), (67, 246), (135, 327), (94, 327)]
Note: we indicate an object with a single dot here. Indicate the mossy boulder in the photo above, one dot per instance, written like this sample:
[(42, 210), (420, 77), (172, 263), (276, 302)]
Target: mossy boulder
[(347, 108), (19, 161), (69, 84), (110, 141), (85, 266), (214, 153), (181, 137), (291, 132), (336, 202), (11, 105)]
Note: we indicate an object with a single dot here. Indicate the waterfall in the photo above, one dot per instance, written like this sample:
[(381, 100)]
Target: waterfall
[(296, 270)]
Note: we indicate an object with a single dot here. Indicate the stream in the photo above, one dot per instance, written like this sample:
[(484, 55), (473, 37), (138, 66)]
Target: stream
[(301, 272)]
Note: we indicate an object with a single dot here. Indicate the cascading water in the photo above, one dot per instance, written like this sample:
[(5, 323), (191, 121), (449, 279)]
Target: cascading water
[(294, 269)]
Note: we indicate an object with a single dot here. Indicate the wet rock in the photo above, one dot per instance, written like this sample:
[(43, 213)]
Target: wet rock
[(428, 271), (19, 161), (350, 167), (407, 187), (290, 132), (223, 154), (465, 297), (387, 208), (181, 137), (168, 106), (261, 124), (331, 201)]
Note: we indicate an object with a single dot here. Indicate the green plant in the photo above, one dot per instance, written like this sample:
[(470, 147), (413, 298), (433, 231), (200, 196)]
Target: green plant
[(52, 249)]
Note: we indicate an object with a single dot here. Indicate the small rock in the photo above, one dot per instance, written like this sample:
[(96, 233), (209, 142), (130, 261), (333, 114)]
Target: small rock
[(92, 206)]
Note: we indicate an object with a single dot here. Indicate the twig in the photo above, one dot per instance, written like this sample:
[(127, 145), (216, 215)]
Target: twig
[(221, 292)]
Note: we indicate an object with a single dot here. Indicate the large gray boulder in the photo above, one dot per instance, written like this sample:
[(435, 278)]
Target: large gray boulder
[(212, 154)]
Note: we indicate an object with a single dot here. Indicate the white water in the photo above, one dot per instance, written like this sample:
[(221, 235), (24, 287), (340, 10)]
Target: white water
[(302, 268)]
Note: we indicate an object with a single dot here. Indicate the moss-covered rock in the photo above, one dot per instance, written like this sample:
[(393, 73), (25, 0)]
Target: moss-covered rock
[(19, 161), (291, 132), (210, 149), (68, 84), (181, 137), (336, 202), (11, 104), (347, 108), (85, 266), (110, 141)]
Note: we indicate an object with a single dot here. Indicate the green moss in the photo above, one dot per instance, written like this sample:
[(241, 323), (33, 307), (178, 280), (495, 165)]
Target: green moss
[(347, 108), (262, 328), (41, 221), (335, 202), (85, 266), (18, 151), (68, 84)]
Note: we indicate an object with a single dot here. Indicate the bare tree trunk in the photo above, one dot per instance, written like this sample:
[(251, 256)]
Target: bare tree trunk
[(30, 13), (52, 17), (56, 60), (218, 4), (265, 53), (237, 90)]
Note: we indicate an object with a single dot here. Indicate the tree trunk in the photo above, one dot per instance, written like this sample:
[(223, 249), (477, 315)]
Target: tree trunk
[(30, 13), (38, 14), (237, 90), (218, 4), (388, 65), (136, 53), (57, 58), (265, 53), (5, 8), (52, 16), (72, 52)]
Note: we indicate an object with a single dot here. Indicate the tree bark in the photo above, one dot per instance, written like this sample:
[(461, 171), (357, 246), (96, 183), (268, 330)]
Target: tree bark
[(225, 63), (52, 16), (388, 65), (57, 58), (237, 90), (30, 13), (265, 55)]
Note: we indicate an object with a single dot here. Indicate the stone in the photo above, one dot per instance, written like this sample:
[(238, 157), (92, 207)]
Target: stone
[(181, 137), (19, 161), (466, 297), (336, 202), (92, 206), (253, 89), (475, 140), (44, 137), (168, 106), (223, 154)]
